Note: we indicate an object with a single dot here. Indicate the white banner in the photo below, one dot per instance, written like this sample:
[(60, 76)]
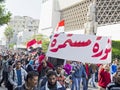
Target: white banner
[(83, 48)]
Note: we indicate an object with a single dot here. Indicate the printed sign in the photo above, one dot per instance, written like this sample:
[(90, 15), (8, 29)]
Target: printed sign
[(83, 48)]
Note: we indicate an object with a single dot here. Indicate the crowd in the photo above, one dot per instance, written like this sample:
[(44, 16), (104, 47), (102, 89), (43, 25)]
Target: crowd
[(33, 71)]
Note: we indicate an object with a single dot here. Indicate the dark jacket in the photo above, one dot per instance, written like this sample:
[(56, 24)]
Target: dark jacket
[(59, 87)]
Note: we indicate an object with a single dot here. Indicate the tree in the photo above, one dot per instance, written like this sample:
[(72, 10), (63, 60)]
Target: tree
[(45, 41), (115, 49), (8, 33), (4, 15)]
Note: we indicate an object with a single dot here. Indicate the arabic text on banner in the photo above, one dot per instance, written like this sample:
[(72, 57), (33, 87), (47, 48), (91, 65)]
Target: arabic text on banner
[(83, 48)]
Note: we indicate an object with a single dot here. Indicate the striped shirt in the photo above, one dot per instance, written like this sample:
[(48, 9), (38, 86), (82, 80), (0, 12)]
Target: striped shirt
[(113, 86)]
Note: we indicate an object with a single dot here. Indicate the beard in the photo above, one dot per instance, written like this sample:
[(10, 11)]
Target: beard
[(52, 86)]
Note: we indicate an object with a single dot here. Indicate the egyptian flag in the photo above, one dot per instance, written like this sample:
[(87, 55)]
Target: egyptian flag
[(39, 43), (60, 27), (31, 43)]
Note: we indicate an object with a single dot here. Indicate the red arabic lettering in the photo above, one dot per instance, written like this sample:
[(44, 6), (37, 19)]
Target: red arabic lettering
[(107, 51), (98, 38), (69, 35), (106, 54), (59, 47), (56, 35), (71, 43), (109, 41), (53, 43), (96, 47), (98, 54)]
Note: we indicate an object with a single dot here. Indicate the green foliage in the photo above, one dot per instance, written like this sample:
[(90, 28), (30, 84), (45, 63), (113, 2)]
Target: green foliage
[(11, 46), (8, 33), (4, 15), (45, 41), (115, 49), (2, 1)]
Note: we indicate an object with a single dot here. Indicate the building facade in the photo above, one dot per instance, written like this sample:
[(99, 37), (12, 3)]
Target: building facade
[(23, 27), (74, 12)]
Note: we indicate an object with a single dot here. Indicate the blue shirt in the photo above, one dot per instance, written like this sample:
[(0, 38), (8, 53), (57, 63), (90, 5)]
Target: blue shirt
[(19, 77), (113, 68)]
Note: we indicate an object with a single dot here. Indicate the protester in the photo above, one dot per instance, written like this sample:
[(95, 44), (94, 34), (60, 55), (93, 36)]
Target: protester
[(113, 68), (93, 72), (52, 83), (116, 84), (43, 80), (88, 72), (31, 82), (4, 70), (1, 68), (68, 68), (114, 76), (60, 75), (43, 66), (79, 73), (103, 77), (17, 75)]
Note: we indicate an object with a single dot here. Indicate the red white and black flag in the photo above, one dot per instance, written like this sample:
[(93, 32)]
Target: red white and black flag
[(60, 27), (31, 43)]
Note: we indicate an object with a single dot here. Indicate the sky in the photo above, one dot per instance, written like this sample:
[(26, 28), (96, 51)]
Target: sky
[(24, 7)]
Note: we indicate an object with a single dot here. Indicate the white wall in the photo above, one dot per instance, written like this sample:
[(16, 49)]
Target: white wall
[(46, 14), (110, 30), (46, 32), (76, 32), (49, 17)]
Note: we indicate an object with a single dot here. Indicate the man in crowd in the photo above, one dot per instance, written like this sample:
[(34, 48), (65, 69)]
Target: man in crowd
[(113, 68), (79, 73), (52, 83), (17, 75), (31, 81), (103, 77), (116, 84)]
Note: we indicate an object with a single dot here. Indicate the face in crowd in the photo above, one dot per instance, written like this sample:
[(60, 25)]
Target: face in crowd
[(33, 81), (44, 63), (18, 65), (59, 69), (106, 67), (32, 78), (52, 78)]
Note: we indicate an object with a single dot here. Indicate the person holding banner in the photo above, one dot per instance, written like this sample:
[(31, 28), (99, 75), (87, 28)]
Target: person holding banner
[(78, 74), (104, 77)]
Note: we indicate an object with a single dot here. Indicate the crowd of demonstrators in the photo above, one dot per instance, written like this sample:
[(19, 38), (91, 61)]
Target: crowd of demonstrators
[(33, 71)]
